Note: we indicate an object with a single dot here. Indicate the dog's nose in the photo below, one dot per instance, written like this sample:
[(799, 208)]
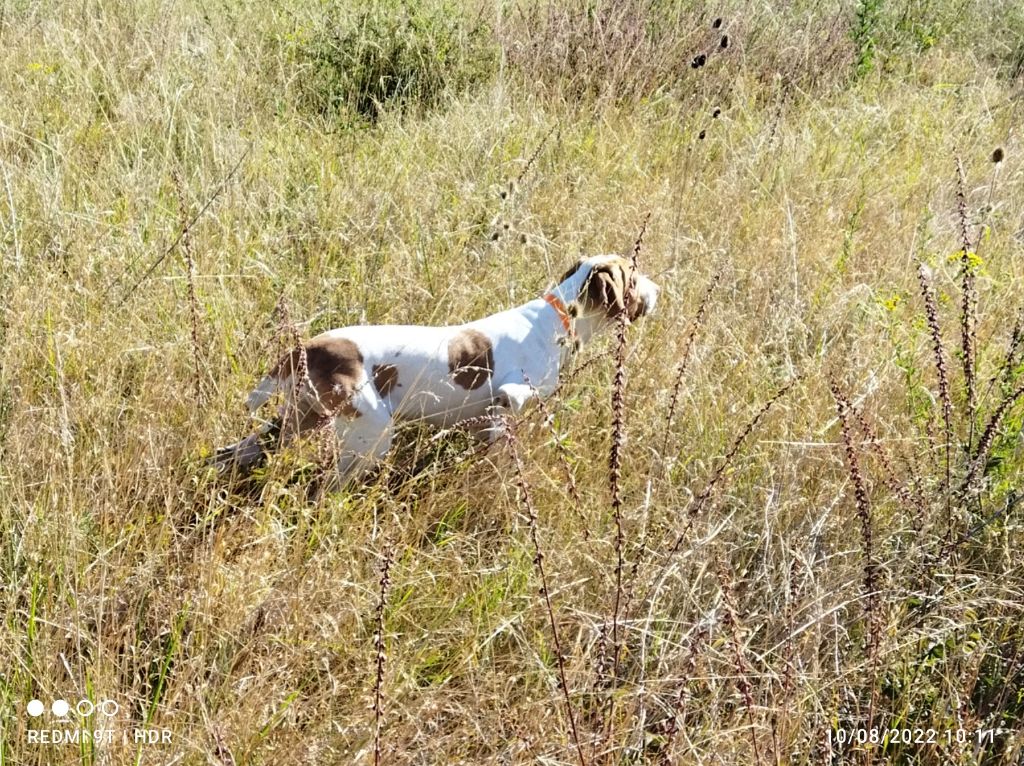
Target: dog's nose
[(648, 295)]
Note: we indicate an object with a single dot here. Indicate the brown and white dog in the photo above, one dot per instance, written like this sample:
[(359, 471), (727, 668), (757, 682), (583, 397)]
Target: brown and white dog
[(369, 377)]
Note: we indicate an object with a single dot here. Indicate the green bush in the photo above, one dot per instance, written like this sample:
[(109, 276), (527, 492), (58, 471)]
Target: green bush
[(891, 36), (865, 34), (393, 54)]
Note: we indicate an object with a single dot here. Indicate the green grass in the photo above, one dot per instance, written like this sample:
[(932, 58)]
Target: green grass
[(242, 618)]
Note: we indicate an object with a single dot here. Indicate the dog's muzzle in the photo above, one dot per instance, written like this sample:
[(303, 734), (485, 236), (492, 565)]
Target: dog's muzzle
[(648, 292)]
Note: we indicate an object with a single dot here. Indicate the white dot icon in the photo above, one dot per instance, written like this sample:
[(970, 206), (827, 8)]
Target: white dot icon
[(60, 708), (35, 708)]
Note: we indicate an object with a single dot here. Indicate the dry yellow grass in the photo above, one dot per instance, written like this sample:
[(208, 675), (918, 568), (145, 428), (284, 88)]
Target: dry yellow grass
[(242, 618)]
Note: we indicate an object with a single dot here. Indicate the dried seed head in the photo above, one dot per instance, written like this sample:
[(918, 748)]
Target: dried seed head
[(997, 155)]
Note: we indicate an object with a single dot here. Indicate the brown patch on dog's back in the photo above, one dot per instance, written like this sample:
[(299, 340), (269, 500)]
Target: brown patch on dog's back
[(385, 378), (334, 366), (470, 359)]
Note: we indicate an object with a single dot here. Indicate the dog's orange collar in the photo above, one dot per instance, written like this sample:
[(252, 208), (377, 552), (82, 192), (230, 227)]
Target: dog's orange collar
[(556, 303)]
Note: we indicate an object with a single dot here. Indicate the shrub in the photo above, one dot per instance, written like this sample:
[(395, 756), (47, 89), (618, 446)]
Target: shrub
[(393, 54), (865, 34)]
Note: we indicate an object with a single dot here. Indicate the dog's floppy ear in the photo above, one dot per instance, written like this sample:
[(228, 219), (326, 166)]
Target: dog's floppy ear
[(607, 288)]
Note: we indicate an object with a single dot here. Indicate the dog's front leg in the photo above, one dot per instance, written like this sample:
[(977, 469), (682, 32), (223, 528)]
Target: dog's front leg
[(491, 427), (515, 396), (362, 444), (509, 399)]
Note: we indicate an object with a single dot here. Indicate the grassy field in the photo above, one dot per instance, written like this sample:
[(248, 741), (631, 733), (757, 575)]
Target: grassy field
[(814, 526)]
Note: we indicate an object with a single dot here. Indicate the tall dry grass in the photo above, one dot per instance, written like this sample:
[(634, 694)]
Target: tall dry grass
[(785, 564)]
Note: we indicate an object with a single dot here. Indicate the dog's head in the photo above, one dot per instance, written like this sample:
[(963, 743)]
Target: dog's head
[(605, 286)]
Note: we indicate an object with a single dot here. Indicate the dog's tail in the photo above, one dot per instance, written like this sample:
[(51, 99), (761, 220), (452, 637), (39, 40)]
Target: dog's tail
[(262, 393), (250, 453), (245, 456)]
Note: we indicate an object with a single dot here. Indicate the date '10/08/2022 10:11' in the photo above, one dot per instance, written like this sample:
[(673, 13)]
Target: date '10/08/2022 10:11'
[(842, 737)]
